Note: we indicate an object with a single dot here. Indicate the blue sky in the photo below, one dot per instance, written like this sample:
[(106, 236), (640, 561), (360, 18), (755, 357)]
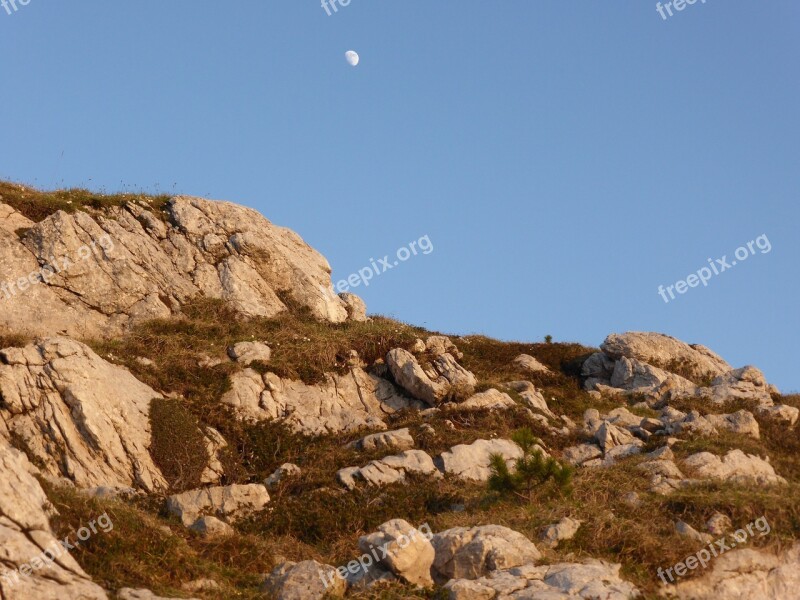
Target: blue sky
[(565, 159)]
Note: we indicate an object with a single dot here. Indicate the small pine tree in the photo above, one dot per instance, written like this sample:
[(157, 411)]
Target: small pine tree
[(548, 339), (531, 470)]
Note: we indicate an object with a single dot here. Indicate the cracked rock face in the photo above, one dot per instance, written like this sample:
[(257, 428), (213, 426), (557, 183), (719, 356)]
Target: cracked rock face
[(25, 534), (437, 381), (79, 416), (470, 553), (666, 352), (745, 574), (344, 403), (110, 270)]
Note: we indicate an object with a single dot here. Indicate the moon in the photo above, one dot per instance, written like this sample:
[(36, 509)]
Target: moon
[(352, 58)]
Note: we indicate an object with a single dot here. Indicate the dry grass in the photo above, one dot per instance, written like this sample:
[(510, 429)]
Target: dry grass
[(37, 205)]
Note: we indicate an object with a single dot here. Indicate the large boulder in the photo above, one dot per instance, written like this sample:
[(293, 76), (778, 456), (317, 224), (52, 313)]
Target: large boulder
[(433, 382), (390, 469), (745, 574), (342, 403), (470, 553), (665, 352), (230, 503), (95, 274), (306, 580), (78, 415), (592, 579), (34, 563), (471, 461), (735, 466), (404, 550)]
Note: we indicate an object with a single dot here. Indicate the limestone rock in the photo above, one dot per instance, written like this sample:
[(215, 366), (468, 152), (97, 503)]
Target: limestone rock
[(285, 471), (747, 383), (469, 553), (343, 403), (436, 345), (79, 416), (409, 553), (735, 466), (140, 594), (25, 535), (608, 436), (578, 455), (230, 503), (391, 469), (209, 526), (532, 397), (718, 524), (781, 412), (471, 461), (489, 400), (686, 530), (399, 439), (355, 307), (742, 422), (565, 529), (215, 444), (666, 352), (306, 580), (246, 353), (441, 379), (528, 363), (745, 574), (112, 268)]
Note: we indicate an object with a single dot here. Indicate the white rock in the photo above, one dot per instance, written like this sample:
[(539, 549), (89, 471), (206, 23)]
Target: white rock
[(285, 471), (355, 307), (246, 353), (741, 422), (735, 466), (25, 532), (489, 400), (469, 553), (343, 403), (690, 532), (398, 439), (140, 594), (440, 380), (528, 363), (565, 529), (745, 574), (471, 461), (391, 469), (306, 580), (79, 416), (212, 527), (230, 503), (409, 553)]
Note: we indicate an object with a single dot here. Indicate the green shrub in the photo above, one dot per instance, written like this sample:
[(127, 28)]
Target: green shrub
[(530, 471)]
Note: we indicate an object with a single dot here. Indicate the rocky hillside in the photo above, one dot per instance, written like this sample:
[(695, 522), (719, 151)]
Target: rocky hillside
[(187, 410)]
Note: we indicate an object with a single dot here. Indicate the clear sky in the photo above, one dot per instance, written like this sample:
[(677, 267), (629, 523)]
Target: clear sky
[(564, 158)]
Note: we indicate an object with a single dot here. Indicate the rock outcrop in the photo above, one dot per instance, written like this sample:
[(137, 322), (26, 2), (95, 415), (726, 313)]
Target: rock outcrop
[(745, 574), (95, 274), (343, 403), (470, 553), (78, 415), (471, 461), (231, 503), (33, 563)]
